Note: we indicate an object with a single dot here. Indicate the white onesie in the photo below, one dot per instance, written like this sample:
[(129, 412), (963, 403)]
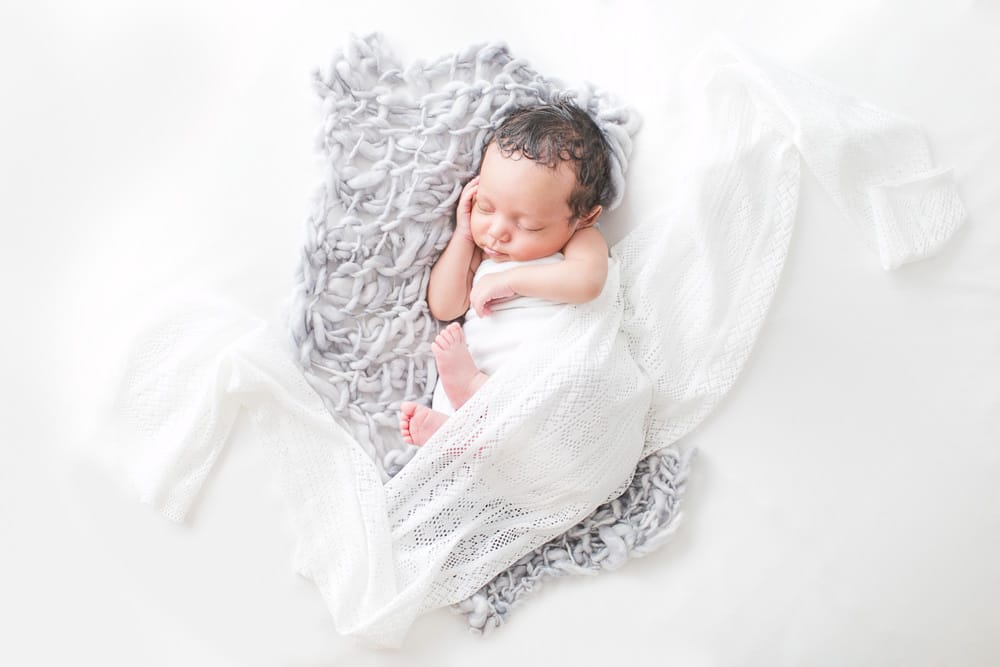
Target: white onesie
[(492, 338)]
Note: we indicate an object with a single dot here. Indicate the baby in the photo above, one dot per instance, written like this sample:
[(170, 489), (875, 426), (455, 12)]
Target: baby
[(542, 184)]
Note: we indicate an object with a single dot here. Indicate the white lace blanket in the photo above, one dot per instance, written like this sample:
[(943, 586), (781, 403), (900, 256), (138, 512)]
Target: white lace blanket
[(561, 428)]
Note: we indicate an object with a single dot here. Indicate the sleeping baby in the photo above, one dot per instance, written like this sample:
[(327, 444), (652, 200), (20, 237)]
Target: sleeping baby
[(524, 241)]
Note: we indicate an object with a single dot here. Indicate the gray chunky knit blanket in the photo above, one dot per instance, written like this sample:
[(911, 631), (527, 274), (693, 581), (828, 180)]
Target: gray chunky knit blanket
[(399, 144)]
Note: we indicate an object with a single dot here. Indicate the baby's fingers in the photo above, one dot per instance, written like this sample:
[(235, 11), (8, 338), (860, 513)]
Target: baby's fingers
[(470, 189), (463, 213)]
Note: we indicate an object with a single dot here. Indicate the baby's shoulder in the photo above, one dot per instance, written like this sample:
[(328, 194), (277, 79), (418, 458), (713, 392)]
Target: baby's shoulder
[(588, 241)]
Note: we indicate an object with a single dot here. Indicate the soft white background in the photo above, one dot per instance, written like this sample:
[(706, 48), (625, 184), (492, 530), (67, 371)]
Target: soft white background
[(844, 510)]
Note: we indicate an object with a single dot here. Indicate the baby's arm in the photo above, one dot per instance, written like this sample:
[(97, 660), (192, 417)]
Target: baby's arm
[(451, 276), (577, 279)]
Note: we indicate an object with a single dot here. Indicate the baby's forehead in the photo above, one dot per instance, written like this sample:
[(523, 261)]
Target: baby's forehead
[(523, 186), (520, 168)]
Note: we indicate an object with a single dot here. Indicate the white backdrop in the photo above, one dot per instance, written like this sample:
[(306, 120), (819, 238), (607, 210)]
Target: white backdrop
[(844, 508)]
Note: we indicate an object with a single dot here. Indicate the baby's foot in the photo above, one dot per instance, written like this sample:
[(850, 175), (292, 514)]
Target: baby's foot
[(455, 365), (418, 423)]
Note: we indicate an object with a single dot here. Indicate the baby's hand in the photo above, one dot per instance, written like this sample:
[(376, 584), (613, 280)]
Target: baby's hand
[(489, 290), (463, 214)]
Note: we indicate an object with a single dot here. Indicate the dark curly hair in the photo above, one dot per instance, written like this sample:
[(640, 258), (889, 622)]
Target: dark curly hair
[(561, 132)]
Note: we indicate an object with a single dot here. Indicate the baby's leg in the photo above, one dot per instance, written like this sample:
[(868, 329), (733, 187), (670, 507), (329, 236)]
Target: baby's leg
[(456, 368), (418, 423)]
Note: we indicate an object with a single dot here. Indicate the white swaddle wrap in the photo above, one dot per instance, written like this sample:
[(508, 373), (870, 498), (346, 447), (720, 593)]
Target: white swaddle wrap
[(560, 429), (493, 338)]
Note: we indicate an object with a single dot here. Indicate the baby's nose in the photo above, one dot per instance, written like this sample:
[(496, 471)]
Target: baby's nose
[(499, 230)]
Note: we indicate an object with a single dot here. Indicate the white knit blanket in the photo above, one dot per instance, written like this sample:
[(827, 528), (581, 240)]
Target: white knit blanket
[(559, 429)]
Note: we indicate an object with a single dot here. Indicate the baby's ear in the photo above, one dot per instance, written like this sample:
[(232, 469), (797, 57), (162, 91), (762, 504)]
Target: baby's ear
[(591, 218)]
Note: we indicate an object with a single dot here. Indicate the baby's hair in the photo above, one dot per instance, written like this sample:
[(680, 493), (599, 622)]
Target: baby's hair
[(561, 132)]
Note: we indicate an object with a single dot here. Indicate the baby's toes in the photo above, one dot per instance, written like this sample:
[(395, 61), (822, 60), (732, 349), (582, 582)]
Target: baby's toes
[(442, 340)]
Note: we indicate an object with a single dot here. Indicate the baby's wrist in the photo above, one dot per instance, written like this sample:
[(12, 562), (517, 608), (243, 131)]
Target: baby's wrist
[(513, 279), (463, 236)]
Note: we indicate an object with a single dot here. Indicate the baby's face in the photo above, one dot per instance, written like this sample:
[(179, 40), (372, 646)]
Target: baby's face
[(521, 210)]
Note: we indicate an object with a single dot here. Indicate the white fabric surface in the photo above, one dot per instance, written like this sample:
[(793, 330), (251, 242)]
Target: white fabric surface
[(843, 508), (494, 338), (560, 427)]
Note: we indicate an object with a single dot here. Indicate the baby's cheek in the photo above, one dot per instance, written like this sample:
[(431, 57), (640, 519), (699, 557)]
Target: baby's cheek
[(476, 221)]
